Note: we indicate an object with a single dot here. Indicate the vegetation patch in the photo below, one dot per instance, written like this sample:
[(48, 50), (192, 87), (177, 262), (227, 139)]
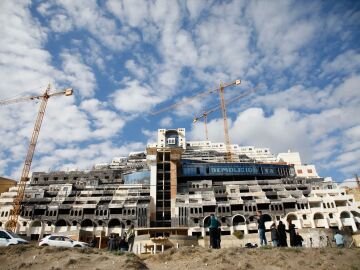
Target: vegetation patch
[(238, 234)]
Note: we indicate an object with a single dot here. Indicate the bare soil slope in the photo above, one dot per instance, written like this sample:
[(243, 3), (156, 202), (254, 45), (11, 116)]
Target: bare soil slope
[(31, 257)]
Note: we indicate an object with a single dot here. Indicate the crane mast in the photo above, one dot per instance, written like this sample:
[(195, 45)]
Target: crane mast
[(226, 128), (14, 215), (206, 129)]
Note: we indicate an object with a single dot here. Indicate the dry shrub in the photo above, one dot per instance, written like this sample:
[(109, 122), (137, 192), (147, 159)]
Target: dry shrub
[(49, 250), (85, 250), (163, 257), (17, 249), (71, 261), (134, 262), (22, 265), (103, 258), (238, 234)]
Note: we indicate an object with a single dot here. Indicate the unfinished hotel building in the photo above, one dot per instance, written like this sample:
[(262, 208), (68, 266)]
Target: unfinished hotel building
[(178, 184)]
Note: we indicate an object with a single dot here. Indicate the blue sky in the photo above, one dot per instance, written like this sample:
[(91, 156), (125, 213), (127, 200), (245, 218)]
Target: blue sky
[(125, 59)]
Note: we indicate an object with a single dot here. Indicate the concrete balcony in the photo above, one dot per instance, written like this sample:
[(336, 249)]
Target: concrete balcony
[(306, 224), (333, 222), (320, 223), (347, 221), (315, 199)]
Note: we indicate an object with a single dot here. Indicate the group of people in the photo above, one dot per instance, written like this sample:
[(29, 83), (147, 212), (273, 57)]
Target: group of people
[(278, 234), (279, 237), (124, 242)]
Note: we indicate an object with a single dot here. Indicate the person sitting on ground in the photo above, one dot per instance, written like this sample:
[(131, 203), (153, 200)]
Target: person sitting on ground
[(274, 235), (298, 239), (339, 239)]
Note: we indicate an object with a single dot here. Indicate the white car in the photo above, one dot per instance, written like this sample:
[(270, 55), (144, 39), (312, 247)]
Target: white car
[(61, 241), (8, 238)]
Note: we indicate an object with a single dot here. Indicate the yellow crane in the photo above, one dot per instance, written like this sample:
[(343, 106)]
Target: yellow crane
[(223, 109), (14, 215), (205, 114)]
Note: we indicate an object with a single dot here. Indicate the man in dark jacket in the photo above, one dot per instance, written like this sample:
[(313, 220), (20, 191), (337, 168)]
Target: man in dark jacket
[(261, 228), (213, 231), (282, 234)]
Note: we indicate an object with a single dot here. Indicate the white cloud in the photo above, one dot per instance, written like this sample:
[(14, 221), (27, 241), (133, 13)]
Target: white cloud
[(350, 182), (135, 98), (134, 12), (194, 7), (282, 30), (24, 65), (84, 157), (78, 74), (87, 15), (346, 63), (61, 23), (106, 122), (136, 69), (166, 122)]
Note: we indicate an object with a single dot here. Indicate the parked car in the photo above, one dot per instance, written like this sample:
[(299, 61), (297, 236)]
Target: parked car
[(61, 241), (8, 238)]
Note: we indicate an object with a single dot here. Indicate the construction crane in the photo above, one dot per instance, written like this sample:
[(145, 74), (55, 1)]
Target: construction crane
[(31, 149), (224, 113), (227, 102), (223, 110)]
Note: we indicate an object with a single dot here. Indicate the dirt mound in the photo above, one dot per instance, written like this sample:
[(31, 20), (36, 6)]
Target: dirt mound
[(259, 258), (40, 258)]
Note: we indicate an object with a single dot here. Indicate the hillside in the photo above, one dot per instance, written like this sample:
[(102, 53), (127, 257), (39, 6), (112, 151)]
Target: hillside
[(31, 258)]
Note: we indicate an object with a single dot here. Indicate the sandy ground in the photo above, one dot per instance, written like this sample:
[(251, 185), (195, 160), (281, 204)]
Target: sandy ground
[(32, 257)]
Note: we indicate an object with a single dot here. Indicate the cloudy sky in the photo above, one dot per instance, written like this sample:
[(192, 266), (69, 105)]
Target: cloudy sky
[(125, 59)]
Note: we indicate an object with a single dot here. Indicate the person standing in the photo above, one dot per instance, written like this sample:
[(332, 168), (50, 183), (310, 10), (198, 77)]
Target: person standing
[(282, 234), (112, 243), (213, 231), (274, 235), (292, 233), (218, 236), (122, 243), (131, 237), (261, 228), (339, 239)]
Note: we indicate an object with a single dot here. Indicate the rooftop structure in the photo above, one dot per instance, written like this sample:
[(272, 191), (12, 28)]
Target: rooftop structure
[(5, 184)]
